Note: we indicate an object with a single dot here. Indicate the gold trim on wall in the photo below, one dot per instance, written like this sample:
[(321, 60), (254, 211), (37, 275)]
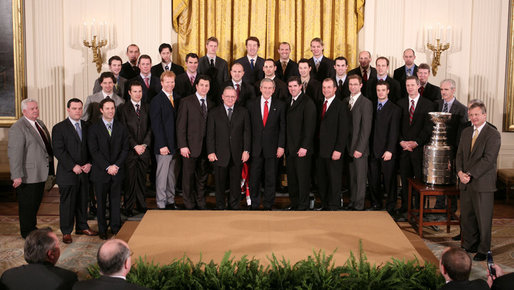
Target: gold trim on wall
[(509, 97), (20, 89)]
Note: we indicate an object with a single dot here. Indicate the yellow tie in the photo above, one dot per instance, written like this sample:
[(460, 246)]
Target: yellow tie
[(475, 135), (171, 100)]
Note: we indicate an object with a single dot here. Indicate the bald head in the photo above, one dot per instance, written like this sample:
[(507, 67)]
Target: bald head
[(114, 258), (455, 264)]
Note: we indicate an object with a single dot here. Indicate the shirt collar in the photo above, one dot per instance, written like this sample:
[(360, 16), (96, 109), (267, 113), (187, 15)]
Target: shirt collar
[(200, 97), (149, 76), (105, 121), (238, 83), (134, 103), (479, 128), (73, 122), (105, 94)]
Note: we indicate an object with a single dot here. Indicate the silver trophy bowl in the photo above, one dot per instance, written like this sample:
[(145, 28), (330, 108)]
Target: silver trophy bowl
[(437, 155)]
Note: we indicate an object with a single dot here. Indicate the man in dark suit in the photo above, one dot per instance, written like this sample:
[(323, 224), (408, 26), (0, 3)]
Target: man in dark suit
[(360, 117), (41, 251), (135, 116), (185, 84), (166, 64), (333, 133), (407, 70), (341, 78), (426, 89), (150, 83), (108, 146), (244, 90), (415, 132), (228, 146), (322, 66), (286, 67), (252, 63), (114, 261), (215, 67), (269, 68), (500, 281), (119, 83), (382, 64), (31, 159), (191, 133), (476, 168), (364, 70), (383, 142), (310, 86), (455, 266), (301, 115), (267, 116), (70, 148), (162, 115), (130, 69)]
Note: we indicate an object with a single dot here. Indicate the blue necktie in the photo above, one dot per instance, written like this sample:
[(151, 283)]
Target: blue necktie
[(79, 131), (379, 107), (251, 63)]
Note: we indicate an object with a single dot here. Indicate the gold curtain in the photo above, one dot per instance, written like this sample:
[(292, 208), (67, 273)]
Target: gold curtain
[(337, 22)]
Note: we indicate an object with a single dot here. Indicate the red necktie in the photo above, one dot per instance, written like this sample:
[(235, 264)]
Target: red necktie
[(265, 114), (147, 82), (420, 90), (324, 110), (192, 81), (238, 90), (365, 75), (411, 111)]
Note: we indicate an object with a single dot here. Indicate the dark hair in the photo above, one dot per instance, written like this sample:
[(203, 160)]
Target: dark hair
[(294, 79), (304, 60), (272, 61), (37, 245), (355, 77), (72, 100), (478, 105), (105, 75), (191, 54), (253, 38), (413, 78), (424, 66), (383, 83), (331, 80), (202, 77), (384, 58), (213, 39), (341, 58), (457, 264), (134, 83), (114, 57), (144, 56), (132, 45), (165, 45), (111, 264), (106, 100)]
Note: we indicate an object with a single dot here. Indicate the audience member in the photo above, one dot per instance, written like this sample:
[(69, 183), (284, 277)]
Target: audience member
[(455, 266), (500, 281)]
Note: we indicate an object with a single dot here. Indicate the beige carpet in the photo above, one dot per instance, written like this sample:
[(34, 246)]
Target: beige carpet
[(163, 236)]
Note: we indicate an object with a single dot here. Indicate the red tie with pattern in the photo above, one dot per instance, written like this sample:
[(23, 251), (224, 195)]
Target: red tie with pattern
[(238, 90), (324, 110), (147, 82), (411, 111), (420, 90), (265, 114)]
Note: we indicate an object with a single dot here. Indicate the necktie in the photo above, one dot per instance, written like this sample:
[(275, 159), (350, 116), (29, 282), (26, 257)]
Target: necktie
[(238, 90), (116, 84), (251, 63), (324, 110), (340, 84), (420, 90), (265, 114), (192, 79), (166, 67), (138, 110), (292, 102), (204, 108), (350, 103), (409, 72), (147, 82), (212, 62), (445, 108), (317, 64), (45, 140), (475, 135), (172, 102), (304, 86), (109, 128), (79, 131), (229, 114), (108, 97), (284, 65), (379, 107), (411, 111), (365, 75)]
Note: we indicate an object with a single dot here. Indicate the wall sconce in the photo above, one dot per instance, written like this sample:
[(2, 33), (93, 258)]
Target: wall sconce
[(95, 36), (438, 40)]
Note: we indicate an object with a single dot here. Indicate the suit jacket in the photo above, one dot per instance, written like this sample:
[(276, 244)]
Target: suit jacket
[(342, 91), (386, 129), (325, 69), (128, 71), (431, 92), (183, 85), (69, 150), (394, 90), (107, 283), (481, 161), (359, 123), (401, 76), (107, 150), (456, 124), (92, 109), (421, 128), (191, 125), (333, 129), (119, 88), (266, 139), (157, 69), (148, 92), (162, 116), (372, 76), (228, 139), (301, 117), (219, 74), (28, 156), (251, 76), (281, 91), (138, 129), (38, 276), (313, 90), (503, 282), (247, 92), (477, 284), (291, 70)]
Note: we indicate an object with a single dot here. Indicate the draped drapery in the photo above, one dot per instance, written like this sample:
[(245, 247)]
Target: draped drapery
[(336, 22)]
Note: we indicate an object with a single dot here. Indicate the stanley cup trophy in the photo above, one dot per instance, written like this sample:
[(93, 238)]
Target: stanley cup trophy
[(437, 159)]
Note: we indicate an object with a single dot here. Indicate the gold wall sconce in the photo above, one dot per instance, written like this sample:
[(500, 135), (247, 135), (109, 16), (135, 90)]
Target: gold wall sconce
[(438, 41), (95, 36)]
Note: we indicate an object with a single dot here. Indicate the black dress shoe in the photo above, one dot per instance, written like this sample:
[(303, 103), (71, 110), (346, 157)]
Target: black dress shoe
[(129, 213), (479, 257), (171, 206), (456, 238), (471, 250), (103, 236)]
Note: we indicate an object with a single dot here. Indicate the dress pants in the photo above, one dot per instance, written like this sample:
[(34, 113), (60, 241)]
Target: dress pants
[(135, 184), (73, 205), (194, 180), (268, 166), (329, 182), (378, 169), (165, 180), (358, 174), (113, 189), (233, 172), (29, 199), (476, 219), (299, 180), (411, 165)]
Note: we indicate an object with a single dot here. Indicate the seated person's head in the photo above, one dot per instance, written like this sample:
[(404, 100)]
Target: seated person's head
[(114, 258), (42, 246), (455, 265)]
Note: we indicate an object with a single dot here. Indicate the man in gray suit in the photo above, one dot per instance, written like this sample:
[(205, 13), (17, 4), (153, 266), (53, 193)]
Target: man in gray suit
[(476, 168), (360, 112), (91, 108), (31, 160)]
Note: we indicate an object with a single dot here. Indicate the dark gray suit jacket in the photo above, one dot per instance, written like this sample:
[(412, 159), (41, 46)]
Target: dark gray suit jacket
[(38, 276), (359, 122), (221, 69)]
